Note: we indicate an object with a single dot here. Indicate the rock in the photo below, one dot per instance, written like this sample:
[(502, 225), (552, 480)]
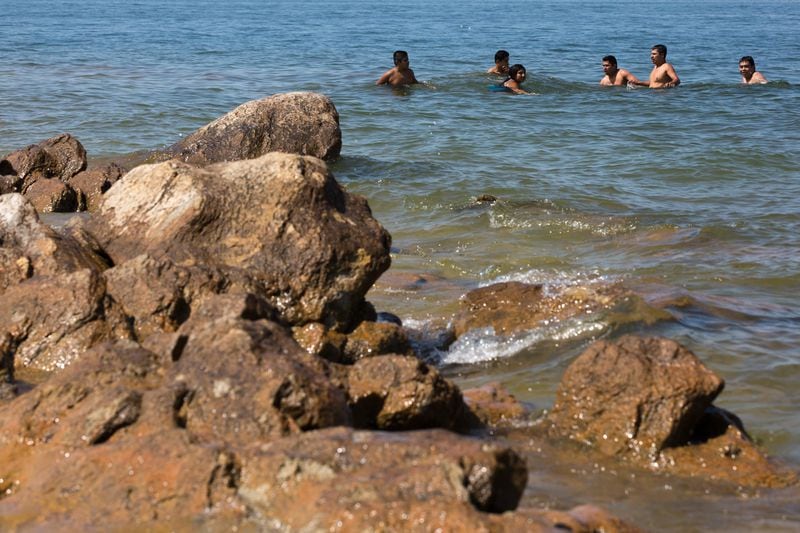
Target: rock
[(395, 392), (52, 196), (30, 248), (297, 123), (50, 321), (486, 199), (59, 157), (375, 338), (320, 341), (634, 396), (93, 183), (9, 183), (512, 307), (280, 224), (494, 405), (366, 480), (239, 380)]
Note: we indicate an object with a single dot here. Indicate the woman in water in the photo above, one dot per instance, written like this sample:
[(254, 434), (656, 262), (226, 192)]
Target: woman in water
[(516, 75)]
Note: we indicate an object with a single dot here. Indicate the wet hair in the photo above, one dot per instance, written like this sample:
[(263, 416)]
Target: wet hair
[(661, 49), (611, 59), (399, 55), (500, 55), (513, 70), (750, 60)]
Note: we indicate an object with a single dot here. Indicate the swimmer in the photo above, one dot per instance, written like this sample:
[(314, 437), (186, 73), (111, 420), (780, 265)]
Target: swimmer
[(516, 75), (747, 68), (663, 74), (615, 75), (500, 67), (400, 74)]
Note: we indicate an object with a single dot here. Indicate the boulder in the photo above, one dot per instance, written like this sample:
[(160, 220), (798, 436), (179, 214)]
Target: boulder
[(59, 157), (30, 248), (297, 123), (93, 183), (396, 392), (494, 405), (512, 307), (634, 396), (280, 225), (375, 338), (52, 196)]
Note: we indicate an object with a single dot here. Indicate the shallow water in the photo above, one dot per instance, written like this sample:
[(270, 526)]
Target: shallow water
[(691, 196)]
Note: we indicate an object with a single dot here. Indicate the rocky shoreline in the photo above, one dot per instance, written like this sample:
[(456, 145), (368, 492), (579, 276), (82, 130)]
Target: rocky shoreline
[(210, 359)]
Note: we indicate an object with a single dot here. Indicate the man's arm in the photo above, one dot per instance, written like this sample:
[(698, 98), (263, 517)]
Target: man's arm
[(670, 71), (413, 77), (633, 80), (383, 80), (758, 78)]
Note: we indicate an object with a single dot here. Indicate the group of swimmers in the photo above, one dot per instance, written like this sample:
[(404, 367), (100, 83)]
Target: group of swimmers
[(662, 76)]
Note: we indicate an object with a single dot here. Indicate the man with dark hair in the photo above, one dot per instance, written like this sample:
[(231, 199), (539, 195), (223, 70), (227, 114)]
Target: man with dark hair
[(615, 75), (501, 59), (400, 74), (747, 68), (663, 74)]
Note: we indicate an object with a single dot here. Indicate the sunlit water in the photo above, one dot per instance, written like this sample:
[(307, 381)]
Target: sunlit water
[(690, 195)]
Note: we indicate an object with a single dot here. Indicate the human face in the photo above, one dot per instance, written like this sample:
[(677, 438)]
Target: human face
[(656, 57), (502, 65), (520, 76), (746, 70), (609, 68)]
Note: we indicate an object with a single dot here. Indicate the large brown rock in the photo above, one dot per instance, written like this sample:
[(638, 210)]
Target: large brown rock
[(401, 392), (634, 396), (52, 196), (280, 224), (512, 307), (297, 123)]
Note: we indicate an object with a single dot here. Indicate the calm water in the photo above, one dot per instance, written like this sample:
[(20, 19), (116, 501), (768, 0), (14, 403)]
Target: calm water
[(690, 194)]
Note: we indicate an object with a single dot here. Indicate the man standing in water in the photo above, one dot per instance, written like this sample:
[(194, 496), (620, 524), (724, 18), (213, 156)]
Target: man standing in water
[(663, 74), (615, 75), (400, 74), (747, 68)]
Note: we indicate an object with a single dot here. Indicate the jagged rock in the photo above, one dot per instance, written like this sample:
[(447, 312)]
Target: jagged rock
[(401, 392), (9, 183), (93, 183), (297, 123), (375, 338), (280, 222), (320, 341), (30, 248), (59, 157), (634, 396), (52, 196)]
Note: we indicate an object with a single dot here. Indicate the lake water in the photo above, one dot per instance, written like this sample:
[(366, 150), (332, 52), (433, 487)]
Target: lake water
[(690, 195)]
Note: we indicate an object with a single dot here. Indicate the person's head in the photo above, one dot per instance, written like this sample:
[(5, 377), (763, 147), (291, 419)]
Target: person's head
[(501, 57), (609, 64), (517, 73), (747, 66), (400, 56), (658, 54)]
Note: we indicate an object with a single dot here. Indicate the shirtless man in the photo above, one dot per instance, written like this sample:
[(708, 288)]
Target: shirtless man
[(663, 74), (615, 75), (500, 63), (747, 68), (400, 74)]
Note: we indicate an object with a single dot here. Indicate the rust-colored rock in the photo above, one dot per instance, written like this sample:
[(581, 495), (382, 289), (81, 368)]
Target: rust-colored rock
[(396, 392), (52, 196), (93, 183), (280, 221), (59, 157), (320, 341), (376, 338), (68, 155), (494, 405), (512, 307), (296, 123), (634, 396)]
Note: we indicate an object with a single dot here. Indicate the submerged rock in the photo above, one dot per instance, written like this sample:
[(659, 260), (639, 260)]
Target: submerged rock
[(297, 123)]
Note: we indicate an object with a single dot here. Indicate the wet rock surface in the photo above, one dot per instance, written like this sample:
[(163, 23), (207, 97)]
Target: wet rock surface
[(649, 401)]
